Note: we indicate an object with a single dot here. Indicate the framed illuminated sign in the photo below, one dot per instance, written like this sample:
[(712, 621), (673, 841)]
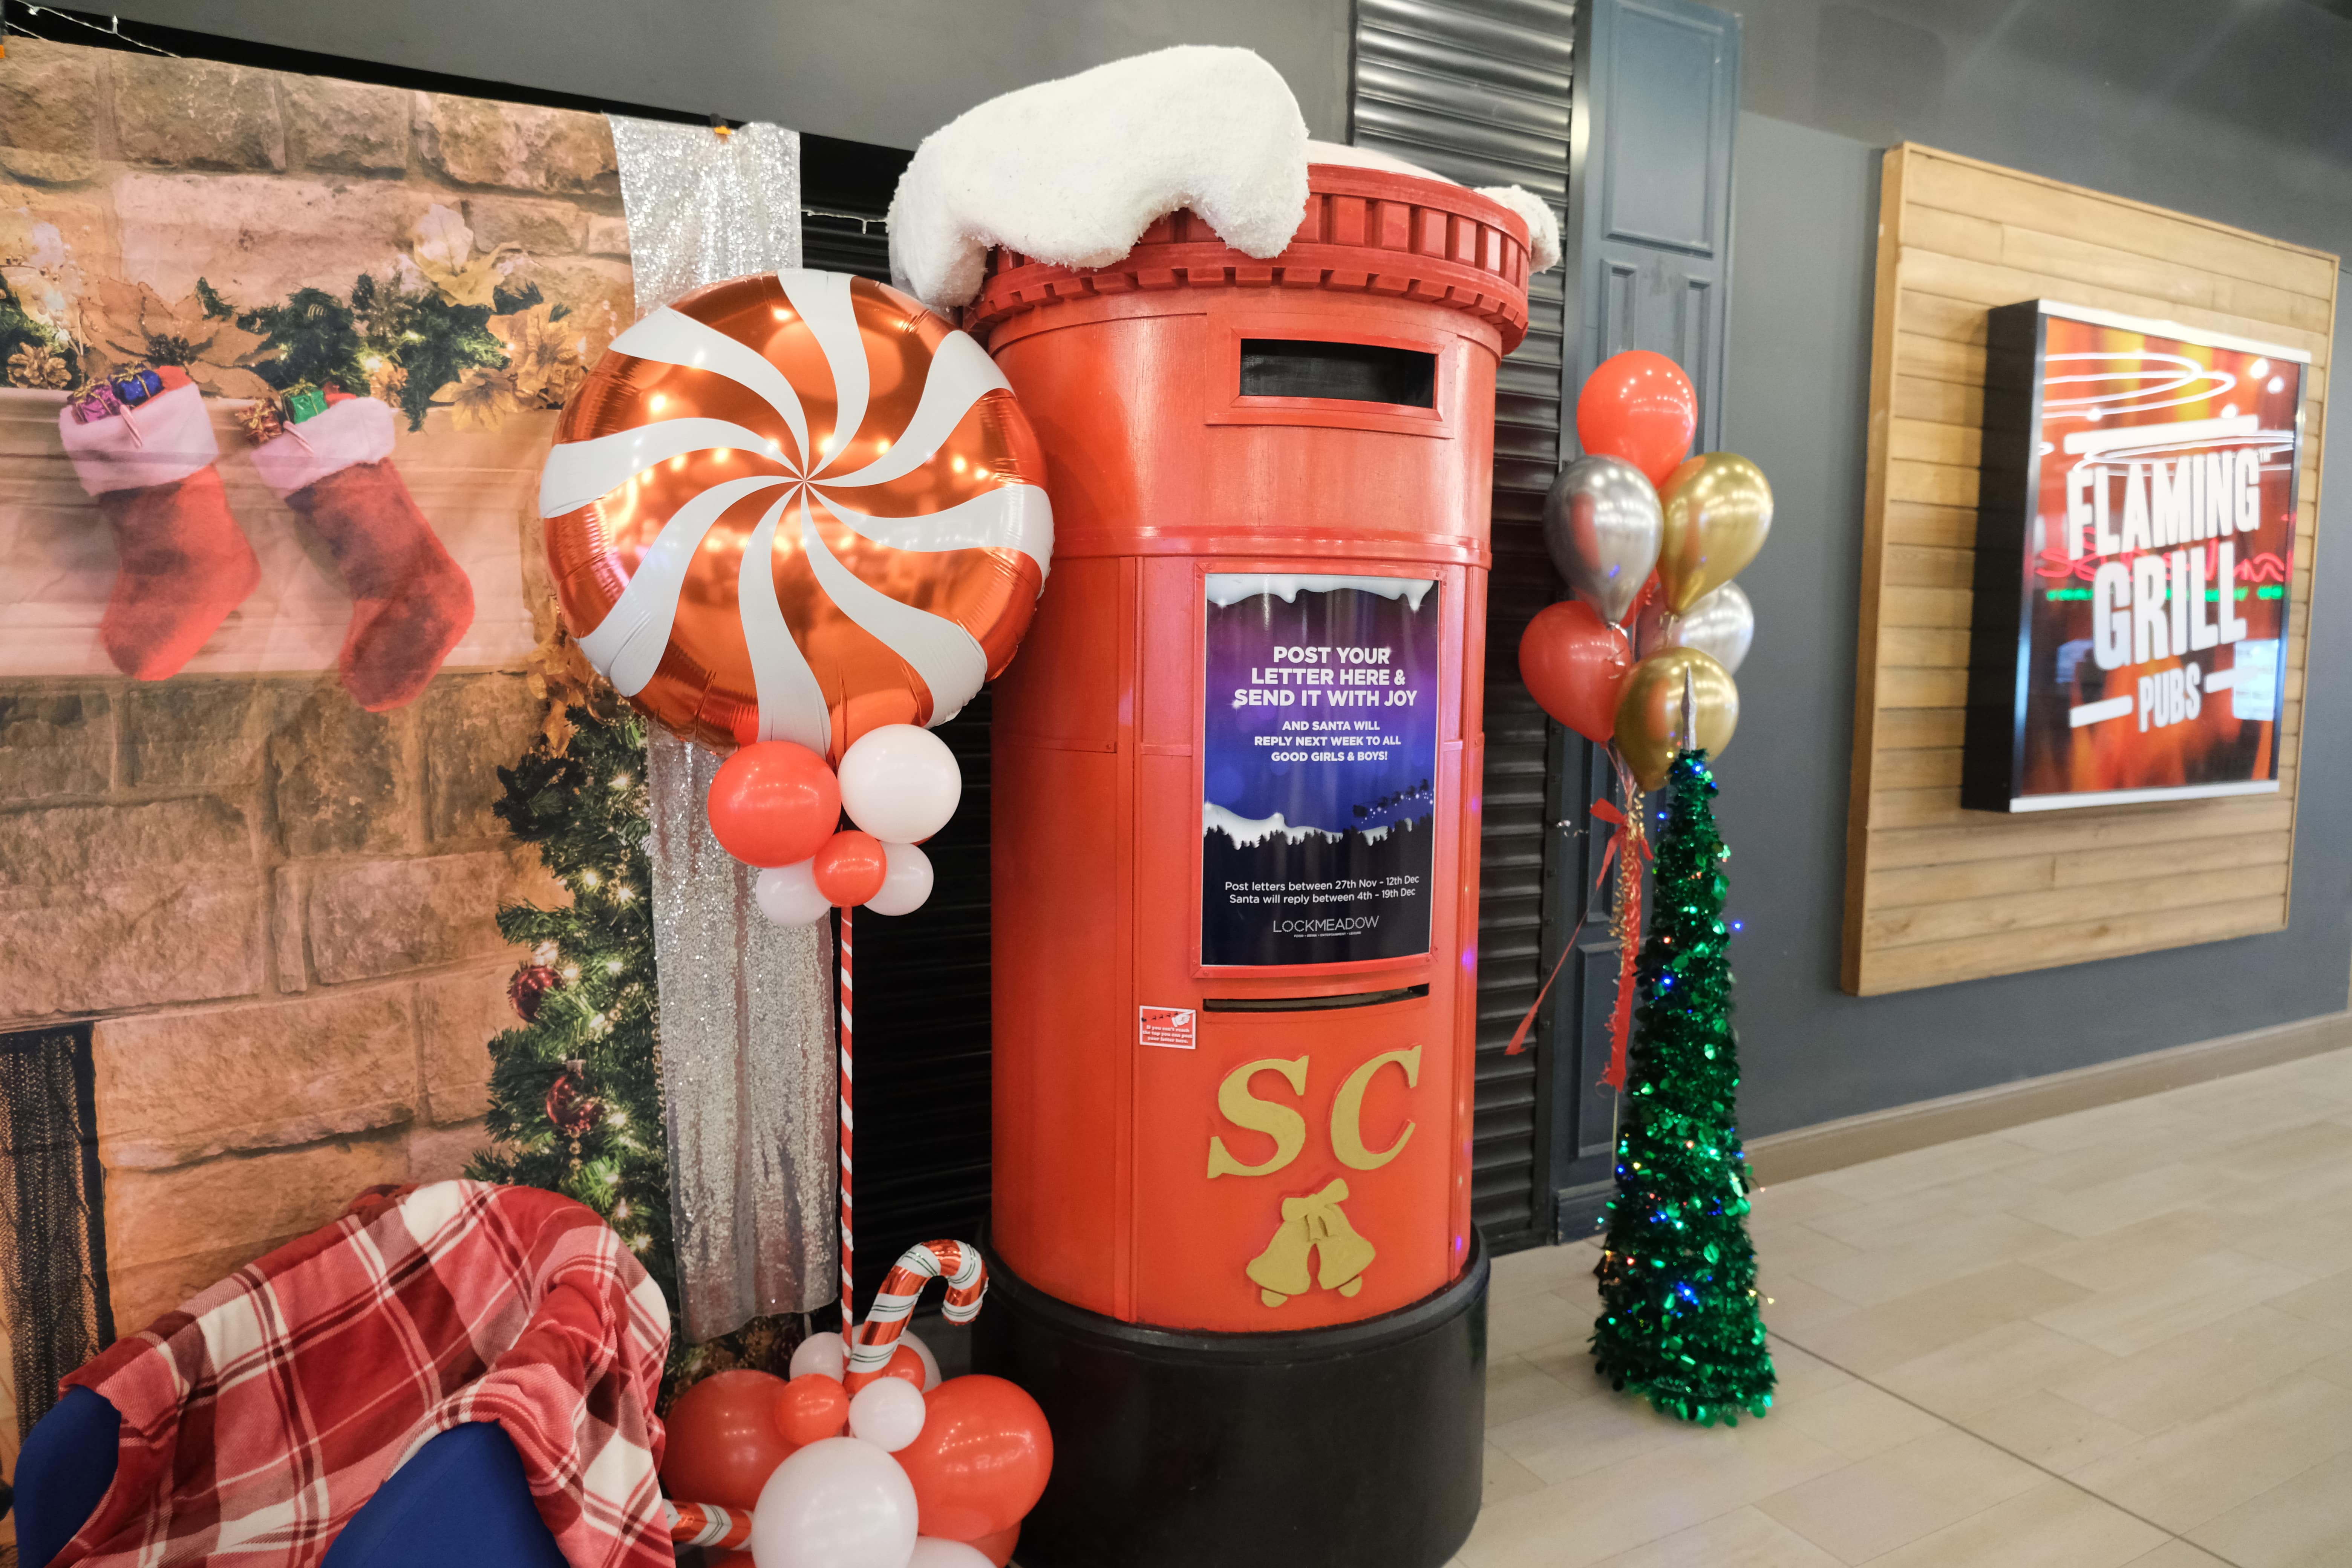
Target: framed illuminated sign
[(2135, 548)]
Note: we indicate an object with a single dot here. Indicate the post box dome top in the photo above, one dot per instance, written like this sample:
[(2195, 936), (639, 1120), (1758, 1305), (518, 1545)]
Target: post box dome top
[(1192, 167)]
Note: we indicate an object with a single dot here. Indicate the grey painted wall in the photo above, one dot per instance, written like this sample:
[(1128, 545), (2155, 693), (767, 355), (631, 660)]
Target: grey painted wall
[(2233, 109), (1801, 278), (884, 71)]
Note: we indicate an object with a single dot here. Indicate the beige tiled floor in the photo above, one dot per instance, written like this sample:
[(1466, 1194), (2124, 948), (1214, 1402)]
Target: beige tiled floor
[(2121, 1339)]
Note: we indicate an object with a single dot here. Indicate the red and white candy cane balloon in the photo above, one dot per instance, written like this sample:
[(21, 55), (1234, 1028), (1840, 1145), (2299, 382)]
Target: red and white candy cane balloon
[(800, 507), (957, 1262)]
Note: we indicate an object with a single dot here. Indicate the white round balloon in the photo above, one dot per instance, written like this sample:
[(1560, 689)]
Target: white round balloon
[(900, 783), (887, 1412), (788, 896), (840, 1502), (923, 1352), (906, 880), (930, 1551), (820, 1353)]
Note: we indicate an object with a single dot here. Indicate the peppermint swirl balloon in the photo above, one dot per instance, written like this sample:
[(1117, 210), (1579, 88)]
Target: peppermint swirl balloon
[(796, 506)]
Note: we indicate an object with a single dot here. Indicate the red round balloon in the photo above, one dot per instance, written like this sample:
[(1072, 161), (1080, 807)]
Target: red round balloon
[(1574, 664), (723, 1442), (998, 1548), (1638, 405), (811, 1408), (982, 1460), (795, 506), (906, 1366), (774, 804), (849, 871)]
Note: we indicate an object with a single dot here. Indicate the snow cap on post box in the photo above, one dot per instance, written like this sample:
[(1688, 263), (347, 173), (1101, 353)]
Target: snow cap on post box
[(1071, 173)]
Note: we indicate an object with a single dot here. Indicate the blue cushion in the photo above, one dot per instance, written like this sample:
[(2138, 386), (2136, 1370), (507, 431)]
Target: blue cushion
[(460, 1502), (65, 1468)]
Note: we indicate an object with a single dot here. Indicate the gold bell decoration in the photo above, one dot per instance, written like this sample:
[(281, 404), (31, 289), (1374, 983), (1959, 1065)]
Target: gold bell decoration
[(1317, 1224)]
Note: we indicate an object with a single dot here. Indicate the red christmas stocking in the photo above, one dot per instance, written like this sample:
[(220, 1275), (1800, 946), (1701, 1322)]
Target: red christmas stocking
[(184, 563), (410, 602)]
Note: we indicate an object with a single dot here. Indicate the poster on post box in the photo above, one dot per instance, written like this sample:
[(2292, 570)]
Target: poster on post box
[(2135, 556), (1318, 768)]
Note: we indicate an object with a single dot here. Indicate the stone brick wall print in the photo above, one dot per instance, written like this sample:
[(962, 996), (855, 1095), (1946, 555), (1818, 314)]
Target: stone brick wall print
[(257, 853)]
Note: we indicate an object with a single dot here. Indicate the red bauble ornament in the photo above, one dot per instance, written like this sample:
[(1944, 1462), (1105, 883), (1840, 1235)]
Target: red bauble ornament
[(850, 869), (774, 804), (528, 988), (570, 1105)]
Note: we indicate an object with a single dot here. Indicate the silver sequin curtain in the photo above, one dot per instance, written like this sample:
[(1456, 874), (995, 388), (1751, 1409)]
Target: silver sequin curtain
[(746, 1005)]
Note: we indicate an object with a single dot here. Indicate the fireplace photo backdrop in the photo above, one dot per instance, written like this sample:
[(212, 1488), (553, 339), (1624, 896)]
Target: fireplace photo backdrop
[(280, 357)]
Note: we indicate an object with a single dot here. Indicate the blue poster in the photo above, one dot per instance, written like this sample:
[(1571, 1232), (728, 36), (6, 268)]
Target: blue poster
[(1318, 768)]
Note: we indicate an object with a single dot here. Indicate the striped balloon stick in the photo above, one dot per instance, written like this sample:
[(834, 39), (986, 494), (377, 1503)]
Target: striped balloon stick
[(708, 1524), (957, 1262), (848, 1233)]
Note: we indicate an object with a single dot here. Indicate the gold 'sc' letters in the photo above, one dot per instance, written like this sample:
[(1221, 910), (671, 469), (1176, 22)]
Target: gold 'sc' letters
[(1242, 1108), (1348, 1111), (1288, 1129)]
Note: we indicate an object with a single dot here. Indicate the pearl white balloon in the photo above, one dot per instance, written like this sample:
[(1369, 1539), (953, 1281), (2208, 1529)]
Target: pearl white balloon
[(900, 783), (930, 1551), (887, 1412), (788, 896), (923, 1352), (820, 1353), (839, 1503), (906, 880)]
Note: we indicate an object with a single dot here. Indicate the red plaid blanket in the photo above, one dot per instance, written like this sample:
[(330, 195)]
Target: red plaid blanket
[(260, 1415)]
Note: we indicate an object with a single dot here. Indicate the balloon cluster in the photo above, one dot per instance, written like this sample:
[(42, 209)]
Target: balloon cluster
[(908, 1472), (1641, 660), (777, 806)]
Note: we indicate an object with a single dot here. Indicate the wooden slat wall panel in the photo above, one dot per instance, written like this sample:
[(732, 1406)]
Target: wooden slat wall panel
[(1934, 893)]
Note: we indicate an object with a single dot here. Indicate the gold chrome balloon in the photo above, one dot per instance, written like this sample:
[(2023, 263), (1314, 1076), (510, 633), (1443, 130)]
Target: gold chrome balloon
[(1676, 699), (1717, 510)]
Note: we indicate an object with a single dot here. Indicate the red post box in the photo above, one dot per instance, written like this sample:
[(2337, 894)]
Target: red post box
[(1235, 807)]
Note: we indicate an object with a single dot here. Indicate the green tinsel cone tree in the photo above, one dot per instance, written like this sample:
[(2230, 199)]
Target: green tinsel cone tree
[(585, 995), (1681, 1321)]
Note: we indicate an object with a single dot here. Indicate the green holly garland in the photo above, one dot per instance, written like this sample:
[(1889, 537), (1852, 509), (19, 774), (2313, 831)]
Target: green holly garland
[(1680, 1318), (587, 994)]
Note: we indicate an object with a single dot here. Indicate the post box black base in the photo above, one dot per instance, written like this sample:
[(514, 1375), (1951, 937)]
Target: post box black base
[(1356, 1447)]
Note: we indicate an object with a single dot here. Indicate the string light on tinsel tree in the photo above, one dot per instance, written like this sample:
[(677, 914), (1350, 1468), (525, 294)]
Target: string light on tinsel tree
[(1681, 1321)]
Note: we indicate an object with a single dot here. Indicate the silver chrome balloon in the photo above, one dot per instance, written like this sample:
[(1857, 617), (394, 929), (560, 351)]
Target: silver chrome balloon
[(1602, 524), (1722, 625)]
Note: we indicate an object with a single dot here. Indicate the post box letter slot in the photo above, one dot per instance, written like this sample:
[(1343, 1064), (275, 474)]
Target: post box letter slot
[(1310, 1003), (1343, 373)]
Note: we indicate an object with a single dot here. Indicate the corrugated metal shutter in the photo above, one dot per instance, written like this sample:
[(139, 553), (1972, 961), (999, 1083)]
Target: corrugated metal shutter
[(1478, 91), (922, 979)]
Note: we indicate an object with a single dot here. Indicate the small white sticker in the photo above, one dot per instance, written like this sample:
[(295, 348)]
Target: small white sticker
[(2253, 690), (1168, 1026)]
